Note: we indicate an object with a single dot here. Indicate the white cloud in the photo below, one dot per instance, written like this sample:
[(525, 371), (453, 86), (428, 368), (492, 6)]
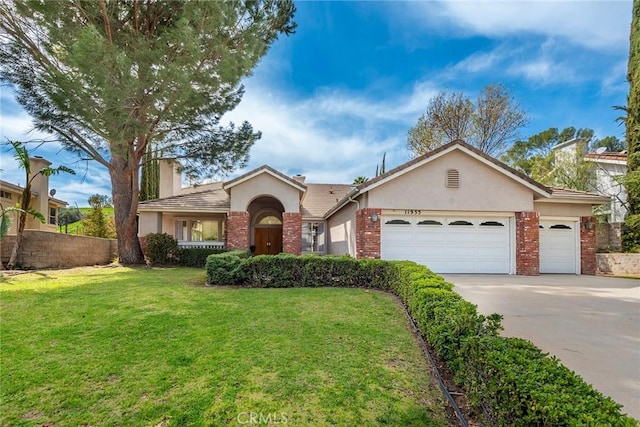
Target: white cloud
[(543, 71), (332, 137), (595, 24)]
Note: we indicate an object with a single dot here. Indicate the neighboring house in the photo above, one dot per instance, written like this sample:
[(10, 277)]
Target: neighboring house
[(608, 167), (454, 209), (41, 200)]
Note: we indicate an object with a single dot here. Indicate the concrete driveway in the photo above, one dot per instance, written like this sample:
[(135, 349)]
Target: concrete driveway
[(591, 323)]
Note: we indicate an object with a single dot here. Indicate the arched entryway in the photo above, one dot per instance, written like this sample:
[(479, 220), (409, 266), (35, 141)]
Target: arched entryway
[(266, 225)]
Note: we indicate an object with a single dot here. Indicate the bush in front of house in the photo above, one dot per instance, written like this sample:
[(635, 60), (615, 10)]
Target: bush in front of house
[(195, 257), (509, 381), (162, 248), (224, 268)]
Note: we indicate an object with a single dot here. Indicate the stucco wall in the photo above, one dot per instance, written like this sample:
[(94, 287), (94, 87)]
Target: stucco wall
[(618, 264), (481, 188), (264, 185), (341, 231), (563, 209), (41, 249)]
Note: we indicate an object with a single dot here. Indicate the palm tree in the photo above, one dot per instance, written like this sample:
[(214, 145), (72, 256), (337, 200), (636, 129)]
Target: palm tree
[(25, 209), (360, 180)]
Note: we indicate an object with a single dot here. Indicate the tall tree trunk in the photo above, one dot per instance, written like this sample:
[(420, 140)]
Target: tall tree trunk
[(22, 222), (124, 182)]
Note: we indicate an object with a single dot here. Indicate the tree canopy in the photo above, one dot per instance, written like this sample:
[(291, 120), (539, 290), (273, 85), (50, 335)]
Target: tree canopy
[(490, 124), (109, 78), (535, 157)]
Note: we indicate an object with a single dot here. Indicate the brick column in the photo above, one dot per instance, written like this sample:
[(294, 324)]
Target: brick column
[(237, 226), (588, 245), (292, 233), (528, 243), (368, 233)]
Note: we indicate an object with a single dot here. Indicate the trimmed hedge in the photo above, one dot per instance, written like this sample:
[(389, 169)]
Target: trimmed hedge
[(509, 381), (162, 248)]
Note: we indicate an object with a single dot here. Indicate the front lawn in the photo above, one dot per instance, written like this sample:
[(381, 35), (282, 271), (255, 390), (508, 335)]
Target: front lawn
[(120, 346)]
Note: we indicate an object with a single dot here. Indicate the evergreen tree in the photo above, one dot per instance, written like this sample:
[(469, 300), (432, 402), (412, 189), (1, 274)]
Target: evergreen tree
[(633, 113), (111, 77), (96, 224)]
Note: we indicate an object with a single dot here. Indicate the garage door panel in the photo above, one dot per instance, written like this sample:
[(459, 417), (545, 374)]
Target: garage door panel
[(558, 247), (453, 247)]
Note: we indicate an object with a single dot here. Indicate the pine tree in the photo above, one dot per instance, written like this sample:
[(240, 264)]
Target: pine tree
[(111, 77)]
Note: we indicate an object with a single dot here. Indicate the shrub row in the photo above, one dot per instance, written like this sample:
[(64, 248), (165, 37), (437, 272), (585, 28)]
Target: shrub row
[(509, 381), (162, 248)]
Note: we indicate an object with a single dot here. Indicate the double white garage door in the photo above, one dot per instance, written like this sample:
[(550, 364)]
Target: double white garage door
[(474, 245), (449, 244)]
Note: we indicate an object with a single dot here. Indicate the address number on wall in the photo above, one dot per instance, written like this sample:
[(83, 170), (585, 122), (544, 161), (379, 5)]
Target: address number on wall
[(412, 212)]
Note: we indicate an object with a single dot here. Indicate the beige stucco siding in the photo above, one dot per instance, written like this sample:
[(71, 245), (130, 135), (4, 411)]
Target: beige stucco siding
[(341, 236), (481, 188), (264, 185), (149, 222), (563, 209)]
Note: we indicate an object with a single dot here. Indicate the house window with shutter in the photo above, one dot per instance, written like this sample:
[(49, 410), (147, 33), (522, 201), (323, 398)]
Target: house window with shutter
[(452, 179)]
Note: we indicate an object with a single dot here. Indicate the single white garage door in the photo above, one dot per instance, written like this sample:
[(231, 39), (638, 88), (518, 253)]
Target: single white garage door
[(558, 247), (449, 245)]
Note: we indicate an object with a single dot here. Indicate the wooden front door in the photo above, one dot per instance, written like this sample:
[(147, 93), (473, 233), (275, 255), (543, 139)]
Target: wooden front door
[(268, 241)]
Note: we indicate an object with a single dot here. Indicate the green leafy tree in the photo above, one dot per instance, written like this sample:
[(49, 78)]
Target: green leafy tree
[(611, 143), (110, 77), (536, 158), (360, 180), (24, 210), (489, 124), (96, 223)]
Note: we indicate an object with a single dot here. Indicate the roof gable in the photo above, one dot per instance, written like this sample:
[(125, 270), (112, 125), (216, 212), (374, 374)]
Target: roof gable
[(264, 169), (460, 145)]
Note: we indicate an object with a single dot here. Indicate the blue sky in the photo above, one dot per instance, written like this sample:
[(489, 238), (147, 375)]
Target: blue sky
[(331, 99)]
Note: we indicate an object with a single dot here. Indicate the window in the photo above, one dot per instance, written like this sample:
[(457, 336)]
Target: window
[(460, 222), (5, 194), (429, 222), (53, 214), (397, 222), (491, 224), (196, 230), (268, 218), (452, 179), (313, 237)]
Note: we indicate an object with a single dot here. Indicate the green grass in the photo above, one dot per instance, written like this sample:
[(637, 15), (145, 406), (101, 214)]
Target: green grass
[(120, 346)]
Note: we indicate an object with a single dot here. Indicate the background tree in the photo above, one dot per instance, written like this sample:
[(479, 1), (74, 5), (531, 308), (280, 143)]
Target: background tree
[(150, 175), (490, 124), (96, 223), (110, 78), (68, 216), (22, 158), (632, 124), (360, 180), (534, 157)]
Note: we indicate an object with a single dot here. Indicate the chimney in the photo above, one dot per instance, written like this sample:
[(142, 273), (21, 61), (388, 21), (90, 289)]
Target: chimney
[(40, 185), (299, 178), (170, 178)]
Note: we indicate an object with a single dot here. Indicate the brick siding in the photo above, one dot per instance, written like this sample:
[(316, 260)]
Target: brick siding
[(237, 226), (588, 245), (528, 243), (292, 232), (367, 233)]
